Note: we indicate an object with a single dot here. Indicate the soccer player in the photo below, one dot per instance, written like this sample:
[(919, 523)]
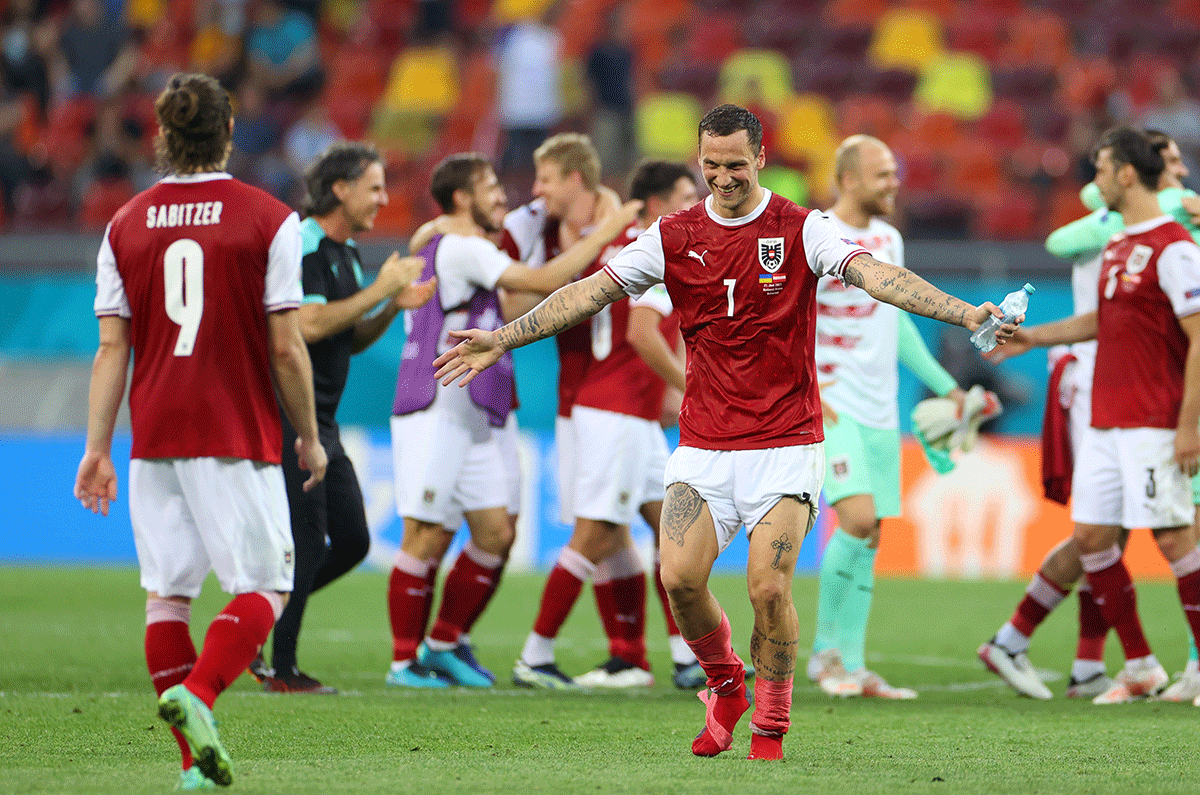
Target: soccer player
[(200, 277), (346, 188), (741, 269), (445, 442), (1005, 654), (859, 340), (619, 455), (1141, 448)]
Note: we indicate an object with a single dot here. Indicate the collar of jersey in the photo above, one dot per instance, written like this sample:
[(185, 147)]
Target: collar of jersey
[(745, 219), (204, 176), (1146, 226)]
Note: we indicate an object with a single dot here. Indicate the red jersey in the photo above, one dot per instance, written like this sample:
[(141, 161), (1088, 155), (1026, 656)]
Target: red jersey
[(1149, 277), (196, 263), (744, 290), (617, 378), (532, 237)]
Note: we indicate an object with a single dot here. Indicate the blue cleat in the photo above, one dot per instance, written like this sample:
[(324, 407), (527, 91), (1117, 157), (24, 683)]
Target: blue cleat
[(414, 675), (192, 778), (464, 652), (179, 707), (690, 677), (542, 677), (448, 665)]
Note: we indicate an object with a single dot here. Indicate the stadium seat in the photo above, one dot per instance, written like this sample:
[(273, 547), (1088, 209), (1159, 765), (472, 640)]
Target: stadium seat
[(101, 201), (872, 115), (854, 12), (955, 83), (830, 76), (359, 73), (906, 38), (1003, 126), (778, 24), (1011, 213), (714, 35), (894, 85), (979, 33), (508, 11), (974, 167), (423, 80), (749, 74), (655, 27), (1085, 83), (690, 77), (666, 125), (1025, 83), (808, 134), (787, 182), (1038, 37)]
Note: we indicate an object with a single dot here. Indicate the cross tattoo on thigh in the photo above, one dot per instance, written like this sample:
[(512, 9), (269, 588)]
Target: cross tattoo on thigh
[(780, 545)]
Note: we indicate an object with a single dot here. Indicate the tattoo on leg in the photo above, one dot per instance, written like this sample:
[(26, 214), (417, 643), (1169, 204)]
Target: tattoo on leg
[(681, 508), (780, 545), (773, 658)]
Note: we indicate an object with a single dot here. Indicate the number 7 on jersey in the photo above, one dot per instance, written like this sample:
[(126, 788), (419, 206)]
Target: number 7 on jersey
[(729, 285)]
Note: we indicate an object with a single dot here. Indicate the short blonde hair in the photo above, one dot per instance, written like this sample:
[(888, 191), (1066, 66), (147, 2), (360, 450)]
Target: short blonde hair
[(574, 152), (847, 155)]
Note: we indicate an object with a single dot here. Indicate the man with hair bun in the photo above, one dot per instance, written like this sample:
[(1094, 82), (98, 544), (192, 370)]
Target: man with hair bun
[(346, 188), (205, 290)]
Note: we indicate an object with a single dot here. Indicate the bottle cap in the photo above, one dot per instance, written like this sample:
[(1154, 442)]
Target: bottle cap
[(1029, 288)]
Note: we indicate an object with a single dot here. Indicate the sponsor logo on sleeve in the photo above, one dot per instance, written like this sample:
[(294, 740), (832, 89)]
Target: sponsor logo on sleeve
[(1192, 293)]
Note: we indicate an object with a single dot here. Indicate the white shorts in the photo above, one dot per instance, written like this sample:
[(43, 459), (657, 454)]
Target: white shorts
[(1128, 477), (193, 515), (564, 442), (619, 464), (741, 486), (509, 438), (443, 468)]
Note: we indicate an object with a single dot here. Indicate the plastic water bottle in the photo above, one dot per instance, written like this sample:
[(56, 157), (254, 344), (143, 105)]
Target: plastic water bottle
[(1014, 304)]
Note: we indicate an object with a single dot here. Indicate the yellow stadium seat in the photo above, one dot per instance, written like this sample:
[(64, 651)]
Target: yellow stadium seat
[(666, 124), (755, 75), (144, 13), (906, 38), (807, 130), (956, 83), (787, 182), (423, 80), (508, 11)]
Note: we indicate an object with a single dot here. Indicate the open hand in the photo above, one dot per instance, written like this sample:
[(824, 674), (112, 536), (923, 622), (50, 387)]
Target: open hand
[(416, 295), (478, 351), (96, 482)]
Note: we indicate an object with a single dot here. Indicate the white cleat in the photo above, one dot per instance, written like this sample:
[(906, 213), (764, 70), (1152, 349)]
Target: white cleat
[(843, 686), (1135, 682), (1094, 685), (874, 686), (1185, 688), (616, 674), (824, 664), (1014, 669)]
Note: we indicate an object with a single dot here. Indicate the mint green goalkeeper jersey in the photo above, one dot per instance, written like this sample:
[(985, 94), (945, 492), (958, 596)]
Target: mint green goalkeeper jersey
[(860, 340)]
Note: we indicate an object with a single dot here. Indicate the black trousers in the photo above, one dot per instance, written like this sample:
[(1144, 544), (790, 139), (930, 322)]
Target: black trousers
[(329, 528)]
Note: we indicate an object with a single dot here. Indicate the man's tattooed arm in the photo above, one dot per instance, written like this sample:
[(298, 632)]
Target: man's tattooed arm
[(908, 291), (562, 309)]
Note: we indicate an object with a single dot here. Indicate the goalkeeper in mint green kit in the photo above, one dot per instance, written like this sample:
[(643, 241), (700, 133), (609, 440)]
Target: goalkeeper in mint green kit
[(859, 341), (1082, 242)]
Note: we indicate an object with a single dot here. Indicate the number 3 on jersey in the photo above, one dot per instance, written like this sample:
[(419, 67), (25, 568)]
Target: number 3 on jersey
[(183, 284)]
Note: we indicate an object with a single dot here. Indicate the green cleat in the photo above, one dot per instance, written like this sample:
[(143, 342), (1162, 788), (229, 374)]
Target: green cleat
[(192, 778), (179, 707)]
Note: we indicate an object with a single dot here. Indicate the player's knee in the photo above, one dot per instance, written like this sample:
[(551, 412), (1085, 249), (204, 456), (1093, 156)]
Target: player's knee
[(680, 586), (1174, 544), (769, 592), (1092, 538)]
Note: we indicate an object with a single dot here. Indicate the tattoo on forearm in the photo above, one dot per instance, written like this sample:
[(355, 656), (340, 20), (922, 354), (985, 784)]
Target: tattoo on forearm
[(681, 508), (564, 308), (905, 289)]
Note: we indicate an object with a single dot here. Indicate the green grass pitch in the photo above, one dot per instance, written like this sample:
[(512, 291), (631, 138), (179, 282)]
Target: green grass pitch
[(77, 711)]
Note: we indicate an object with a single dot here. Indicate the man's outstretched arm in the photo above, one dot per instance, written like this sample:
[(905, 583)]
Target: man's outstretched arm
[(908, 291), (564, 308)]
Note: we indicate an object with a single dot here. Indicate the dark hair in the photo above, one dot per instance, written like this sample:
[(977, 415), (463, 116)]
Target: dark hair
[(657, 178), (1133, 147), (727, 119), (341, 161), (455, 172), (193, 114)]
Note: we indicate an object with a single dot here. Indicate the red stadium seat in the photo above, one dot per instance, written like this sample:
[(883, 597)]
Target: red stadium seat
[(102, 200), (1008, 214), (867, 114), (1004, 125)]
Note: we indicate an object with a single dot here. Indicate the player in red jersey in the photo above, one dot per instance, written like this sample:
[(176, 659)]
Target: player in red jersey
[(205, 293), (1136, 459), (741, 269), (619, 455)]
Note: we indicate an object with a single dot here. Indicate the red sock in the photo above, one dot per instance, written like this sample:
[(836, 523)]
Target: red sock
[(409, 598), (471, 619), (468, 588), (170, 656), (1093, 629), (1113, 590), (629, 594), (606, 606), (232, 640), (1041, 596), (1189, 597), (668, 616), (562, 589), (727, 681)]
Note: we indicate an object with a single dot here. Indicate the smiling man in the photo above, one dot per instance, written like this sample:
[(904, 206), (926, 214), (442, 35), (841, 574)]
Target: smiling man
[(750, 448)]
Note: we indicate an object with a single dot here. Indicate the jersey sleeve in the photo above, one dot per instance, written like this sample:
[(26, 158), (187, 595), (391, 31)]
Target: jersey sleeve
[(110, 287), (312, 279), (283, 267), (640, 265), (826, 250), (523, 227), (1085, 236), (1179, 276), (655, 298)]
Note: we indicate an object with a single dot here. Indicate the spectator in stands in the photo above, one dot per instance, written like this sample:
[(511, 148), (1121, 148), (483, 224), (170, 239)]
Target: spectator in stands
[(23, 44), (257, 135), (282, 55), (311, 135), (96, 56), (529, 97), (610, 77)]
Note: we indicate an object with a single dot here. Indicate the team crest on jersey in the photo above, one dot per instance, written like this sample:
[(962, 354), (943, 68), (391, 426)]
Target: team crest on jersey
[(770, 253)]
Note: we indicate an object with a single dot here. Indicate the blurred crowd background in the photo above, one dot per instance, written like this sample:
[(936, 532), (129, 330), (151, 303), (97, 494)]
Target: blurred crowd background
[(991, 106)]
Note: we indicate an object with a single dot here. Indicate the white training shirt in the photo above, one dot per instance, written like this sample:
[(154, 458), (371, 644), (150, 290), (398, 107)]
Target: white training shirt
[(857, 335)]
